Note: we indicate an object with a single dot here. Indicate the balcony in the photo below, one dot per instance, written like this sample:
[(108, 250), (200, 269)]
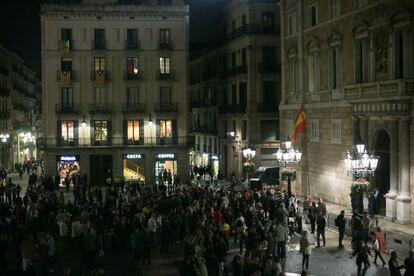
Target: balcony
[(66, 109), (100, 108), (65, 47), (65, 77), (166, 107), (100, 77), (269, 68), (139, 75), (165, 76), (134, 108), (99, 44), (233, 108), (267, 108), (132, 45), (165, 45)]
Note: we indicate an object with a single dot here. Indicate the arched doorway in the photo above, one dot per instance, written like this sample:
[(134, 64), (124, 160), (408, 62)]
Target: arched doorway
[(382, 173)]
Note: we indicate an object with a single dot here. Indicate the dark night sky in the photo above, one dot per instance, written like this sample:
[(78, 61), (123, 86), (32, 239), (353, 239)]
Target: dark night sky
[(20, 25)]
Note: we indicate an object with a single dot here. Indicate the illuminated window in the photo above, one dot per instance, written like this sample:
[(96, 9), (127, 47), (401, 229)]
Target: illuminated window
[(101, 131), (67, 131), (165, 65), (132, 66), (133, 130), (99, 64), (165, 128)]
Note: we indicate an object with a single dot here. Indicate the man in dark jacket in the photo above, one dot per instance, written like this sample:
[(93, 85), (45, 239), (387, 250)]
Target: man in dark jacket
[(393, 265), (321, 224), (340, 223), (362, 252)]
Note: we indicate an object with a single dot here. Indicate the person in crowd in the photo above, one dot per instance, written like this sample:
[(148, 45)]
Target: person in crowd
[(299, 216), (282, 237), (409, 264), (379, 245), (362, 251), (305, 250), (340, 222), (395, 268), (320, 230), (312, 214), (321, 207)]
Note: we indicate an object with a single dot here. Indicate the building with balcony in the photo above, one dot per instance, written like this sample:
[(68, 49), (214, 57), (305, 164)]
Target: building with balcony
[(19, 108), (235, 88), (351, 64), (118, 106)]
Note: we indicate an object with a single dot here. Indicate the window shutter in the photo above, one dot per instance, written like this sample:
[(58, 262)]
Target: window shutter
[(125, 131), (58, 132), (141, 132), (76, 131), (109, 132), (174, 131), (157, 131), (92, 132)]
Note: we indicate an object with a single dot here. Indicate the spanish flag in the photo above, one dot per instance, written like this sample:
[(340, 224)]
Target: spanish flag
[(299, 124)]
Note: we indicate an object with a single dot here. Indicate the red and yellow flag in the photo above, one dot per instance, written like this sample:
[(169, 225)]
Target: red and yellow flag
[(299, 124)]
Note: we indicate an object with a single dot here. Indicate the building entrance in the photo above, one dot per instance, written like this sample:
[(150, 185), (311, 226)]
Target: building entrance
[(165, 169), (100, 169), (382, 173)]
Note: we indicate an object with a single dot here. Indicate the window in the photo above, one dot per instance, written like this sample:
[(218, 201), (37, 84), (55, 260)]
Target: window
[(314, 130), (165, 65), (359, 4), (165, 36), (132, 38), (132, 95), (100, 95), (132, 66), (66, 65), (66, 97), (313, 71), (400, 52), (66, 34), (165, 95), (133, 130), (269, 130), (244, 130), (270, 96), (101, 131), (334, 68), (292, 27), (67, 129), (99, 64), (165, 128), (99, 39), (313, 15), (361, 60), (336, 131), (244, 57), (268, 21), (334, 8)]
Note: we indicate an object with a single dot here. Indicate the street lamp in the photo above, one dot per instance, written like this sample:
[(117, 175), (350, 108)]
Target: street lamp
[(288, 156), (4, 137), (359, 162), (83, 123), (248, 154)]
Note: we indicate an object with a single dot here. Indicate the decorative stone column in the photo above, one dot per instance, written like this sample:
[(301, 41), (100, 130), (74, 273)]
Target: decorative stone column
[(404, 198), (390, 201)]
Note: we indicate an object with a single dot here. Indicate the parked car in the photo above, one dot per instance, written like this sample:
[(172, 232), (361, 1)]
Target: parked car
[(264, 176)]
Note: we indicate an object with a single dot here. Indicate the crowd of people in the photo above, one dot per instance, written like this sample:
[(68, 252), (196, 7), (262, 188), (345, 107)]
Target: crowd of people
[(205, 220)]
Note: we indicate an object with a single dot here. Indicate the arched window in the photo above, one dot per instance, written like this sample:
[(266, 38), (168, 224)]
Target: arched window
[(361, 52)]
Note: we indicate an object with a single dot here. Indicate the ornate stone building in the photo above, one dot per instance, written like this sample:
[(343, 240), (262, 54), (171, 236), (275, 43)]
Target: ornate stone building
[(115, 88), (351, 64), (235, 87)]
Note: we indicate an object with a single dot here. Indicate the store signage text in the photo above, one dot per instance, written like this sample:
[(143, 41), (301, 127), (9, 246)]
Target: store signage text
[(165, 156), (68, 158), (133, 156)]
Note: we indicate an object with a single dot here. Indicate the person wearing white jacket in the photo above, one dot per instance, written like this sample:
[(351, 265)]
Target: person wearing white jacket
[(153, 228)]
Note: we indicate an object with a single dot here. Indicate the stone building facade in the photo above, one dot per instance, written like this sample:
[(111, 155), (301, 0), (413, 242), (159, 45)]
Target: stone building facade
[(19, 109), (351, 64), (115, 88), (235, 86)]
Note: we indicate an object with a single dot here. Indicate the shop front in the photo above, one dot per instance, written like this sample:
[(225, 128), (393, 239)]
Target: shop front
[(67, 165), (133, 167), (215, 166), (165, 168)]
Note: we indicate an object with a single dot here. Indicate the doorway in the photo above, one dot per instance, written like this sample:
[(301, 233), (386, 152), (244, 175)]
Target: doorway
[(100, 169), (382, 173)]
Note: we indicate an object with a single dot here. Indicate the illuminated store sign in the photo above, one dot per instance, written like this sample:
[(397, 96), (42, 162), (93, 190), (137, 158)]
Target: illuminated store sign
[(68, 158), (165, 156), (133, 156)]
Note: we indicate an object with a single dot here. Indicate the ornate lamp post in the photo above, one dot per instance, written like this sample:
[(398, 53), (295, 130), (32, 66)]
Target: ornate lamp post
[(287, 156), (4, 137), (362, 165), (248, 154)]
